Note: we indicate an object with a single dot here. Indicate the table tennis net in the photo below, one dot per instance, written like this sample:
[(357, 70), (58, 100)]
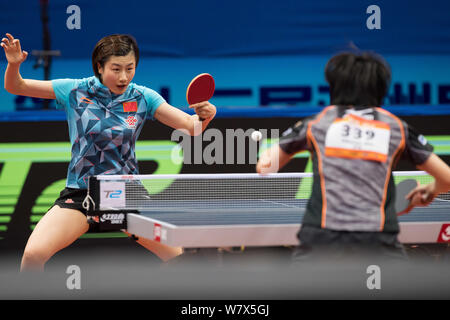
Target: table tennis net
[(214, 191)]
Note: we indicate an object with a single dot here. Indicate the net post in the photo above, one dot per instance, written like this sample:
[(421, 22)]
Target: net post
[(103, 220), (94, 192), (92, 201)]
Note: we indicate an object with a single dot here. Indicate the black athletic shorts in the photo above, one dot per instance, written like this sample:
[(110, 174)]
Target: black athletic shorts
[(71, 198), (318, 243)]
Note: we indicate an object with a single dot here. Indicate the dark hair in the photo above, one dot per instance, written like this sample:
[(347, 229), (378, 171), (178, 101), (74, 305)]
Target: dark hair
[(113, 45), (358, 79)]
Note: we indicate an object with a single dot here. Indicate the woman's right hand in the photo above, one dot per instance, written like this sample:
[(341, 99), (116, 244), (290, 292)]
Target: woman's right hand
[(13, 51), (14, 83)]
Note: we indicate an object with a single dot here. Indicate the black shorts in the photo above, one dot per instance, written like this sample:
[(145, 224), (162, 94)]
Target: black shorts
[(318, 243), (71, 198)]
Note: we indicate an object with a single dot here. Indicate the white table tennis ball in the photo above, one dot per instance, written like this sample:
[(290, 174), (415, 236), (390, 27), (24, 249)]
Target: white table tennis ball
[(256, 135)]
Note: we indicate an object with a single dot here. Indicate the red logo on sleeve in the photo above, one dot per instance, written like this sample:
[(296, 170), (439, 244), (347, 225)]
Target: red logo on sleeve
[(130, 106), (444, 235)]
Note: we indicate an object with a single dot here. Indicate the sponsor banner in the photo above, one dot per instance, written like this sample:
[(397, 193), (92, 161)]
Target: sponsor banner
[(264, 82), (33, 166)]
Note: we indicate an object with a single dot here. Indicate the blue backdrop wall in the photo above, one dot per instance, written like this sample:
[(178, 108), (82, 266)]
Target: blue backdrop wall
[(202, 28), (261, 52)]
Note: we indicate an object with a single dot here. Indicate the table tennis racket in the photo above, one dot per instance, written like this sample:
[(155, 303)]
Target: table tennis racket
[(200, 89), (401, 190)]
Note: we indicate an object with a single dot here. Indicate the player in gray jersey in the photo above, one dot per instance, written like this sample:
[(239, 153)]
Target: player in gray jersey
[(354, 146)]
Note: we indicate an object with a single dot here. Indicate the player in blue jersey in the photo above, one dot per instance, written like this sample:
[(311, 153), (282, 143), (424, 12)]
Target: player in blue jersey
[(105, 114)]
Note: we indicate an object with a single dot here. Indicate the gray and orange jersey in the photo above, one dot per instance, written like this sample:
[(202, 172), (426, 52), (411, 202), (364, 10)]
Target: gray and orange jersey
[(354, 152)]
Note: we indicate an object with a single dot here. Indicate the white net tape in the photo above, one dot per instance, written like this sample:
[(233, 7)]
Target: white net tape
[(217, 191)]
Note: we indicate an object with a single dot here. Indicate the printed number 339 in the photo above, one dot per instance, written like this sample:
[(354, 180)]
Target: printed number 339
[(356, 132)]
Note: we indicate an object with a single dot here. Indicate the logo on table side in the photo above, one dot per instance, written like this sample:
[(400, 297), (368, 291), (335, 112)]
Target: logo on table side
[(113, 218), (131, 121), (159, 233), (444, 235)]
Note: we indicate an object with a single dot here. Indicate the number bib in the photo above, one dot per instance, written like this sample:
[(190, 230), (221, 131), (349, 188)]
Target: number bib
[(357, 138)]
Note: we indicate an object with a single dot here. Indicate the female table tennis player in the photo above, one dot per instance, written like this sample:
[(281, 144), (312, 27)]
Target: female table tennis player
[(354, 146), (105, 114)]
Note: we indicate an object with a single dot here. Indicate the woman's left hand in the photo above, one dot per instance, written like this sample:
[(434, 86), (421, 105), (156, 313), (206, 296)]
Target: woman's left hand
[(204, 110)]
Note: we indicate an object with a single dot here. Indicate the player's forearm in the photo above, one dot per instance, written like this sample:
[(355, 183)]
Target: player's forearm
[(272, 160), (269, 161), (14, 83), (443, 182), (440, 186), (196, 126), (440, 171), (264, 164), (205, 123)]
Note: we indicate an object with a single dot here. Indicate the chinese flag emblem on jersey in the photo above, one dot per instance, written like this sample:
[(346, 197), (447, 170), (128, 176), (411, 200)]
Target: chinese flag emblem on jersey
[(130, 106)]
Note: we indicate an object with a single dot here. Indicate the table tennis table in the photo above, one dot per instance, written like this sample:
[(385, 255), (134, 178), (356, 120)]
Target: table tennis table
[(228, 227), (243, 219)]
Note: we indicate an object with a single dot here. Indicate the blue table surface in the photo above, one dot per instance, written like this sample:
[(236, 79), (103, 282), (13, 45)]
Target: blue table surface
[(244, 212)]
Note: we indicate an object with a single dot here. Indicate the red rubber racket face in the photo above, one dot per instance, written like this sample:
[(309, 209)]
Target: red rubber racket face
[(200, 89)]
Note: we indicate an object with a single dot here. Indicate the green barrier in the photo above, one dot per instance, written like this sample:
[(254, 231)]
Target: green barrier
[(18, 157)]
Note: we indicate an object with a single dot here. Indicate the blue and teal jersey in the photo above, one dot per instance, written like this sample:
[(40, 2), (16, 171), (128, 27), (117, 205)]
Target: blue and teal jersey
[(103, 127)]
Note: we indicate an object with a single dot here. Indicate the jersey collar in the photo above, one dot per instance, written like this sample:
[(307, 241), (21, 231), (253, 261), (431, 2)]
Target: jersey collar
[(102, 92)]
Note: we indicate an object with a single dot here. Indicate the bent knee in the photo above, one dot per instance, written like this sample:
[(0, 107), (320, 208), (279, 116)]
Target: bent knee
[(34, 258)]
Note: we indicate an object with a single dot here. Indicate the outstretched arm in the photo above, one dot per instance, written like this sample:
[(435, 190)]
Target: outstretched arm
[(424, 194), (272, 160), (179, 120), (14, 83)]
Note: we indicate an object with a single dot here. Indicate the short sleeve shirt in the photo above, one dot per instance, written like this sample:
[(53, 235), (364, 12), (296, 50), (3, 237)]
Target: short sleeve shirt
[(353, 154), (103, 127)]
